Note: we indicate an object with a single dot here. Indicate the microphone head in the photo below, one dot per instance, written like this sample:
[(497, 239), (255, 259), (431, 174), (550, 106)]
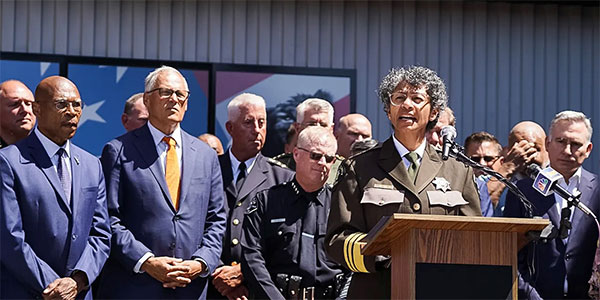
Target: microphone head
[(448, 132), (533, 170)]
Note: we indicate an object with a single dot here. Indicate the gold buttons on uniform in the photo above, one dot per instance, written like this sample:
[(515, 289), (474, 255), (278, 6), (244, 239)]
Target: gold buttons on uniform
[(235, 242), (236, 222), (416, 206)]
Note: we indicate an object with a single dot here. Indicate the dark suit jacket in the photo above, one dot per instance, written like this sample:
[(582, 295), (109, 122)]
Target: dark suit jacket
[(264, 174), (144, 220), (43, 236), (375, 184), (555, 259)]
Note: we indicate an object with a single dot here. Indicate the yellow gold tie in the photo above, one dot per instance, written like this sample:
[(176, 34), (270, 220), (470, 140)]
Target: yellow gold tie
[(172, 173)]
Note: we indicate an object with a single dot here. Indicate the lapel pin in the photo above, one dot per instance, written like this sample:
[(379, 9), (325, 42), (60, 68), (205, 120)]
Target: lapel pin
[(76, 160)]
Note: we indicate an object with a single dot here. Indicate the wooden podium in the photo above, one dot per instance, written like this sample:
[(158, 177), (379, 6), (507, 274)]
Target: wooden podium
[(432, 254)]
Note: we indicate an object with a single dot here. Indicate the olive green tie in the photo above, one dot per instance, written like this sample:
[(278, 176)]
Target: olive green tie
[(413, 158)]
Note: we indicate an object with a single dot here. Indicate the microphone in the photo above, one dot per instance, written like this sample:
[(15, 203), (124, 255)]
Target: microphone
[(545, 181), (448, 134)]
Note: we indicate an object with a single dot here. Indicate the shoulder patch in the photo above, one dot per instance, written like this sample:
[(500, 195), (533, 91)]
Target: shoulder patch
[(275, 162)]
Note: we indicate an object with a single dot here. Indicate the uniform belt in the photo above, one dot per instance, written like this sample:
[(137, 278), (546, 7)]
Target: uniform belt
[(318, 292)]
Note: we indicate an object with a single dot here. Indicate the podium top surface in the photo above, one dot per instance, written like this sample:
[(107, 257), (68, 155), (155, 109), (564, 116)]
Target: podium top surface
[(396, 225)]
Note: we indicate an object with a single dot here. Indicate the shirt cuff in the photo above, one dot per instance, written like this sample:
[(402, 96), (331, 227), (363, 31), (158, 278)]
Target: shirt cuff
[(138, 265), (206, 271)]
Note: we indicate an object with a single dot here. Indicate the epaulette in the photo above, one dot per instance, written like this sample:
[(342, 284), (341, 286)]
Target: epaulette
[(281, 155), (275, 162), (378, 146)]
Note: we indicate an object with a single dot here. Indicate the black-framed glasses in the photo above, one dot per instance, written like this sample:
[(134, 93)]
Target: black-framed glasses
[(486, 158), (62, 104), (165, 93), (317, 156)]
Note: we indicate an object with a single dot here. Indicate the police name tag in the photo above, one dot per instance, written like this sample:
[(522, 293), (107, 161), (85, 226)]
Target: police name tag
[(382, 196), (280, 220)]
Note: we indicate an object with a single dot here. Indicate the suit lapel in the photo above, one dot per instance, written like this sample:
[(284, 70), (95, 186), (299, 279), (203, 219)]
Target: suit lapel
[(256, 177), (76, 172), (227, 175), (188, 152), (145, 145), (430, 165), (391, 162), (586, 188), (45, 164)]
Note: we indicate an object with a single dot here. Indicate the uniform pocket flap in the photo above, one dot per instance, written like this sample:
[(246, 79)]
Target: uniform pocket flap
[(381, 197), (448, 199)]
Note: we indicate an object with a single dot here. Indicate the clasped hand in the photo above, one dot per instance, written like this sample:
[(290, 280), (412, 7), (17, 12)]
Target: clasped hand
[(172, 272)]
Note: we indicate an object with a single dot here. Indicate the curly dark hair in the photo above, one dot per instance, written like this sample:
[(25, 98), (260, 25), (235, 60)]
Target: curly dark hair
[(415, 76)]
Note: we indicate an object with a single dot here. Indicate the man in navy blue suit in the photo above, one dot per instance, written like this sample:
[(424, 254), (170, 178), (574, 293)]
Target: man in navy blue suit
[(165, 201), (53, 219), (561, 267)]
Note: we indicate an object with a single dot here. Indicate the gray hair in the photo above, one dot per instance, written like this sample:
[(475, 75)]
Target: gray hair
[(151, 78), (572, 116), (131, 102), (415, 76), (317, 104), (316, 135), (233, 108)]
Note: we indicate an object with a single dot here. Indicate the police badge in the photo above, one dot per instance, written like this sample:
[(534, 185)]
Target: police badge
[(441, 184)]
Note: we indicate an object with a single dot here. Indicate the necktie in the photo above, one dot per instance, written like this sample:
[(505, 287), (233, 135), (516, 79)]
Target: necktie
[(241, 176), (172, 173), (308, 251), (63, 173), (413, 158)]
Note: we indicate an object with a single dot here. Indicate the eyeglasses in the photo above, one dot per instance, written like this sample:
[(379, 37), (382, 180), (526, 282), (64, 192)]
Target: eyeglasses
[(317, 156), (486, 158), (397, 98), (165, 93), (565, 222), (62, 104)]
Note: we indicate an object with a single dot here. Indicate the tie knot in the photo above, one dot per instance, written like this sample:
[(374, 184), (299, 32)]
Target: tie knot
[(170, 141), (61, 152), (412, 157), (242, 167)]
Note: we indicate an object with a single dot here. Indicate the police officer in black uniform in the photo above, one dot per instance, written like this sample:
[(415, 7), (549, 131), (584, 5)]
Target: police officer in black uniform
[(245, 172), (283, 252)]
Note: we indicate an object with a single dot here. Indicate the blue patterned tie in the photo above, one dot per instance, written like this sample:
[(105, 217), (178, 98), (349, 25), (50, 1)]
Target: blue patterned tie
[(63, 173)]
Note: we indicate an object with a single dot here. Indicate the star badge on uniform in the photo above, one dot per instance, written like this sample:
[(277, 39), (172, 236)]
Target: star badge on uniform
[(441, 184)]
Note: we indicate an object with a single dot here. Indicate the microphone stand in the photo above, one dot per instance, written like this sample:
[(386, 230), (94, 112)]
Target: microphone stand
[(456, 151)]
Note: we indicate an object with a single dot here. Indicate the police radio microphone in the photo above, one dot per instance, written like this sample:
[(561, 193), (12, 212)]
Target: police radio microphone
[(545, 181), (448, 134)]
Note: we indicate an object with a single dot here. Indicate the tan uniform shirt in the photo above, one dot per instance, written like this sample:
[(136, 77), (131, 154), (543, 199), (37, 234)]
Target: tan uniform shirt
[(375, 184)]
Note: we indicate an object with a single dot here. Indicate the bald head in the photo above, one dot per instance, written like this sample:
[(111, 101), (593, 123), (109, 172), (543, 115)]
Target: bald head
[(352, 127), (213, 142), (533, 133), (16, 111), (58, 108)]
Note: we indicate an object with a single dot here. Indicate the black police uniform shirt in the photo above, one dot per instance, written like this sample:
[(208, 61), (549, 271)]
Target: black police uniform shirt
[(272, 234)]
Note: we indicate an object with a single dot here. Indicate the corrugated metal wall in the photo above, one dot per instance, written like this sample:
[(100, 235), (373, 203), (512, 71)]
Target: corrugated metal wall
[(502, 62)]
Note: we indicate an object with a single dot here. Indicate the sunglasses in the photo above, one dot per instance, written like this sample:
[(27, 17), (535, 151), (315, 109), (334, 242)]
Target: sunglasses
[(317, 156), (486, 158)]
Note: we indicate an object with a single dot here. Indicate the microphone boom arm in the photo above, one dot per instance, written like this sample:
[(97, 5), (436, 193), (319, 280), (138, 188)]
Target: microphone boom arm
[(457, 152)]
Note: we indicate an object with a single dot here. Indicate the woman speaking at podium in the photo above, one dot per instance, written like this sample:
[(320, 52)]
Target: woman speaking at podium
[(402, 175)]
